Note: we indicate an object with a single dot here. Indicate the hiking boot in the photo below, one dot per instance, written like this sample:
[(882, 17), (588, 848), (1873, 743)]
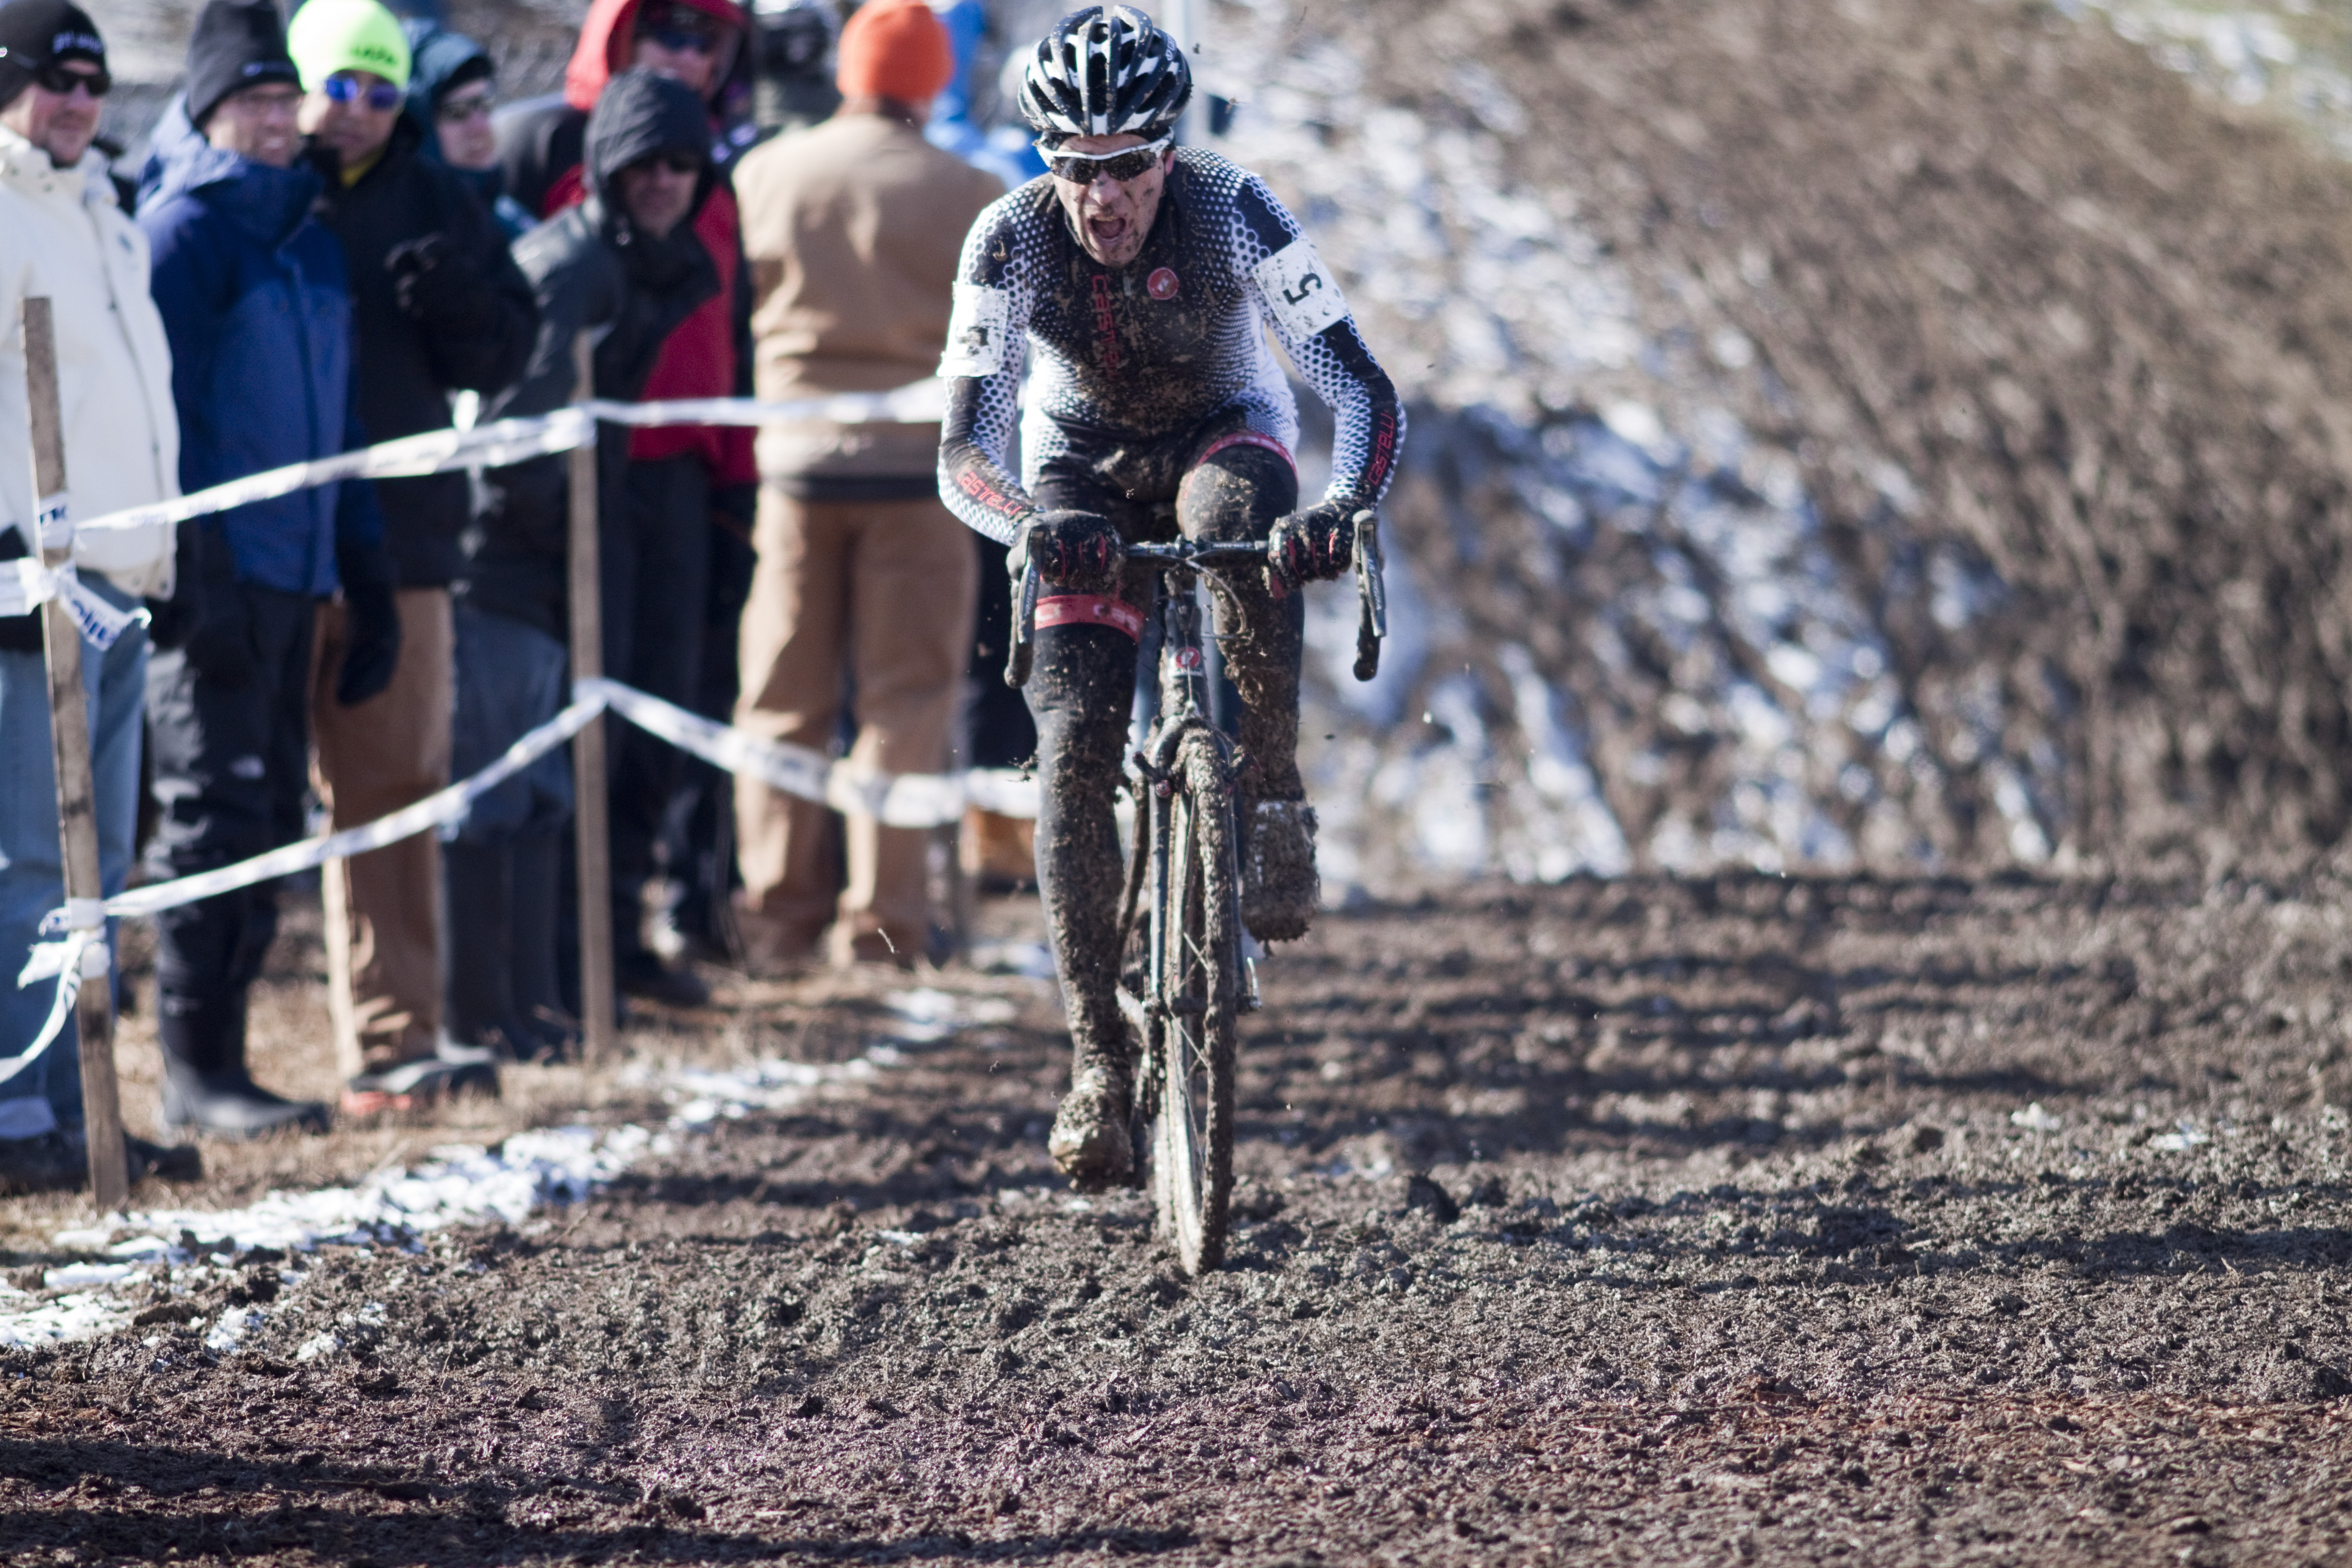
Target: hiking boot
[(643, 975), (998, 852), (45, 1163), (141, 1159), (412, 1086), (846, 948), (1090, 1142), (229, 1104), (1279, 889)]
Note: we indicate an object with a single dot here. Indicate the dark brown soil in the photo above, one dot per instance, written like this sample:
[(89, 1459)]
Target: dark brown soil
[(1739, 1241)]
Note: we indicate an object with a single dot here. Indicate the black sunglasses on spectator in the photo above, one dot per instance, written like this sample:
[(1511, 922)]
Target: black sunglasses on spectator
[(52, 77)]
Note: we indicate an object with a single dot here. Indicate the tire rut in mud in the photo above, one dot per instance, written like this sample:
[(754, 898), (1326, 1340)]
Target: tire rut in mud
[(1690, 1221)]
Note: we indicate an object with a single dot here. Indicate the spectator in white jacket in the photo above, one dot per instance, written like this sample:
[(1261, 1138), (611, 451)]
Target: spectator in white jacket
[(64, 235)]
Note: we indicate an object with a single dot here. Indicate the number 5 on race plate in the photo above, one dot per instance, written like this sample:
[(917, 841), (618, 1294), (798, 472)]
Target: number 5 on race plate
[(1299, 290), (976, 332)]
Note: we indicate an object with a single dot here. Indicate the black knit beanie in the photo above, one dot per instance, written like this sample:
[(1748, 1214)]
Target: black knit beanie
[(238, 44), (37, 33)]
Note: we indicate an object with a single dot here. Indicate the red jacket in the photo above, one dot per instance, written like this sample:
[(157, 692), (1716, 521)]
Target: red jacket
[(707, 355)]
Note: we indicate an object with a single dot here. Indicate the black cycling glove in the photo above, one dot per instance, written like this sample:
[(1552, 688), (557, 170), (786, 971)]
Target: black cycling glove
[(1080, 551), (371, 623), (1310, 546)]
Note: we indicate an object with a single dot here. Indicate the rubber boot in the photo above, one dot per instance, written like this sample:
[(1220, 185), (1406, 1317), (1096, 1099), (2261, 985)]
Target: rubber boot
[(206, 1086), (1090, 1143)]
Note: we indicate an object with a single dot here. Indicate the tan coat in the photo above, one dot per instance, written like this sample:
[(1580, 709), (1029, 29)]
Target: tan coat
[(852, 228)]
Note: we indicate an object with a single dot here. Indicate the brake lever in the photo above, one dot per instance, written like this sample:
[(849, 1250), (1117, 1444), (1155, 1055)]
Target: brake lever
[(1024, 646), (1371, 595)]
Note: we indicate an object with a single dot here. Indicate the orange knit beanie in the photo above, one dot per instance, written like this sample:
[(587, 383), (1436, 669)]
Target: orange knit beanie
[(895, 49)]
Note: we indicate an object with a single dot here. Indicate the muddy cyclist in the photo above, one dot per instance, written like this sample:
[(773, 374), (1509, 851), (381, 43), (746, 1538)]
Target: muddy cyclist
[(1139, 276)]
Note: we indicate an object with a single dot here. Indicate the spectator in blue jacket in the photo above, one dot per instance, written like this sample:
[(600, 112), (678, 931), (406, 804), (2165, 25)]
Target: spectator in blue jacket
[(255, 301)]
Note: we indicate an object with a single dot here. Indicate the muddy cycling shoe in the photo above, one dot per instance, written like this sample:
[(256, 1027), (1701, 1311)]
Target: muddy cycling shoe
[(1090, 1143), (232, 1105), (1279, 889)]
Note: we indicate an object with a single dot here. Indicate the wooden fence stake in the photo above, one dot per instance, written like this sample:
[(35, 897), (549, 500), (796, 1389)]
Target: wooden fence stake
[(109, 1183), (590, 820)]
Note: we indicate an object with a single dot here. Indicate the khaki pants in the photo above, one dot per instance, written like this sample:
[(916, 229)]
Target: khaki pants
[(383, 970), (884, 591)]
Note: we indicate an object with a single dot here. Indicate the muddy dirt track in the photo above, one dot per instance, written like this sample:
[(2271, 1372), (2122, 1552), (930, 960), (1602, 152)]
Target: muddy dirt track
[(1743, 1241)]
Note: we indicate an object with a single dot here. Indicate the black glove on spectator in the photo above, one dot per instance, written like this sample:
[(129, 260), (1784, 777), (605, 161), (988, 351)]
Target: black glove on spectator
[(434, 287), (171, 622), (372, 634), (1310, 546), (1075, 550), (219, 637)]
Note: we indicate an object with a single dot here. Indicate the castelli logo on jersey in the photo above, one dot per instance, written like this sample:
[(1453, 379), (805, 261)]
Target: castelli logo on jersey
[(1106, 325), (1163, 284)]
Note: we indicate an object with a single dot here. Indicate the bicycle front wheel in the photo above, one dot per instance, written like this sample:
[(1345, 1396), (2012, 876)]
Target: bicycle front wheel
[(1198, 937)]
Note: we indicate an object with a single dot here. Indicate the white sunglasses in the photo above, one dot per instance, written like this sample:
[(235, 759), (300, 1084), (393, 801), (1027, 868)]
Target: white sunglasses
[(1082, 168)]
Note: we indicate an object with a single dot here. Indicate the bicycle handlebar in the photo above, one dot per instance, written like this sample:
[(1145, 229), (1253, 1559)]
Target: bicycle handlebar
[(1372, 592), (1184, 552)]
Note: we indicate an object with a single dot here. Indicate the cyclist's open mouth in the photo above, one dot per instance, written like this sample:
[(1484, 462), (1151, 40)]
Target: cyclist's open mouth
[(1108, 231)]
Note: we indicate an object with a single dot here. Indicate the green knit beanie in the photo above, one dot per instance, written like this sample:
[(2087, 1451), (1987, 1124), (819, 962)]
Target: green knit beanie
[(331, 35)]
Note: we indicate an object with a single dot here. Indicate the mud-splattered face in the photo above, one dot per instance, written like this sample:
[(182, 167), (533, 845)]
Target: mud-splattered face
[(1112, 217)]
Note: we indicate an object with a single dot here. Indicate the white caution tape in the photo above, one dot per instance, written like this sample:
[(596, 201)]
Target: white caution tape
[(435, 810), (434, 452), (55, 521), (896, 800), (70, 961), (515, 440), (25, 585)]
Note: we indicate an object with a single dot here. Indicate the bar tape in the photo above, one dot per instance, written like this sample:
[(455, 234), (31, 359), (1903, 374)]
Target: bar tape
[(509, 441)]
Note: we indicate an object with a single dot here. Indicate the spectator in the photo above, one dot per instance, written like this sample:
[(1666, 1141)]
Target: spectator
[(626, 265), (438, 308), (63, 236), (793, 45), (853, 229), (677, 545), (453, 90), (254, 297)]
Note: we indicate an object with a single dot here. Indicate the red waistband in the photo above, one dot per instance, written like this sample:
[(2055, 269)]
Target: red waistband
[(1248, 438), (1091, 610)]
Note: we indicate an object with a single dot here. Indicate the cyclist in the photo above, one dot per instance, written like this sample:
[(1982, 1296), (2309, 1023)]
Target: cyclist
[(1139, 275)]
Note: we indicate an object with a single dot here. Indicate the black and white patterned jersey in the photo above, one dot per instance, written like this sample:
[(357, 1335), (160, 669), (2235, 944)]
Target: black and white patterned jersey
[(1151, 349)]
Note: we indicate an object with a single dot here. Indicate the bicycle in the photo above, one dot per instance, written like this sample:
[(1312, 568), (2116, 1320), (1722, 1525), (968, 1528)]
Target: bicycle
[(1187, 977)]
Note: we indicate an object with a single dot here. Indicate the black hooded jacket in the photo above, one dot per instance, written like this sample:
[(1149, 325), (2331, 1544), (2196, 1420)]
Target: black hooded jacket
[(469, 329), (591, 271)]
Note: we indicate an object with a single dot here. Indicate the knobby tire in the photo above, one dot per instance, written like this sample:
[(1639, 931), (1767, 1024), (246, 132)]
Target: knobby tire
[(1191, 1141)]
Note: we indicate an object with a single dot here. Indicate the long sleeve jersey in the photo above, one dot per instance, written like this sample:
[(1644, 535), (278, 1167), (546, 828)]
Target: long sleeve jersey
[(1149, 351)]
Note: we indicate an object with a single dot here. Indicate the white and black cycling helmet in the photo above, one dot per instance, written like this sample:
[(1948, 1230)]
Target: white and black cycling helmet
[(1104, 71)]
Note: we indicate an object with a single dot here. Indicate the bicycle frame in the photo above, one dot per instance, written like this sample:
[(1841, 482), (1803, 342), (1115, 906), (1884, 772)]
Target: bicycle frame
[(1183, 707)]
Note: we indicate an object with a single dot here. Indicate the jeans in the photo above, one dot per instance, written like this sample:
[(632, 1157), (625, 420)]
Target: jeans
[(32, 872), (502, 865)]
